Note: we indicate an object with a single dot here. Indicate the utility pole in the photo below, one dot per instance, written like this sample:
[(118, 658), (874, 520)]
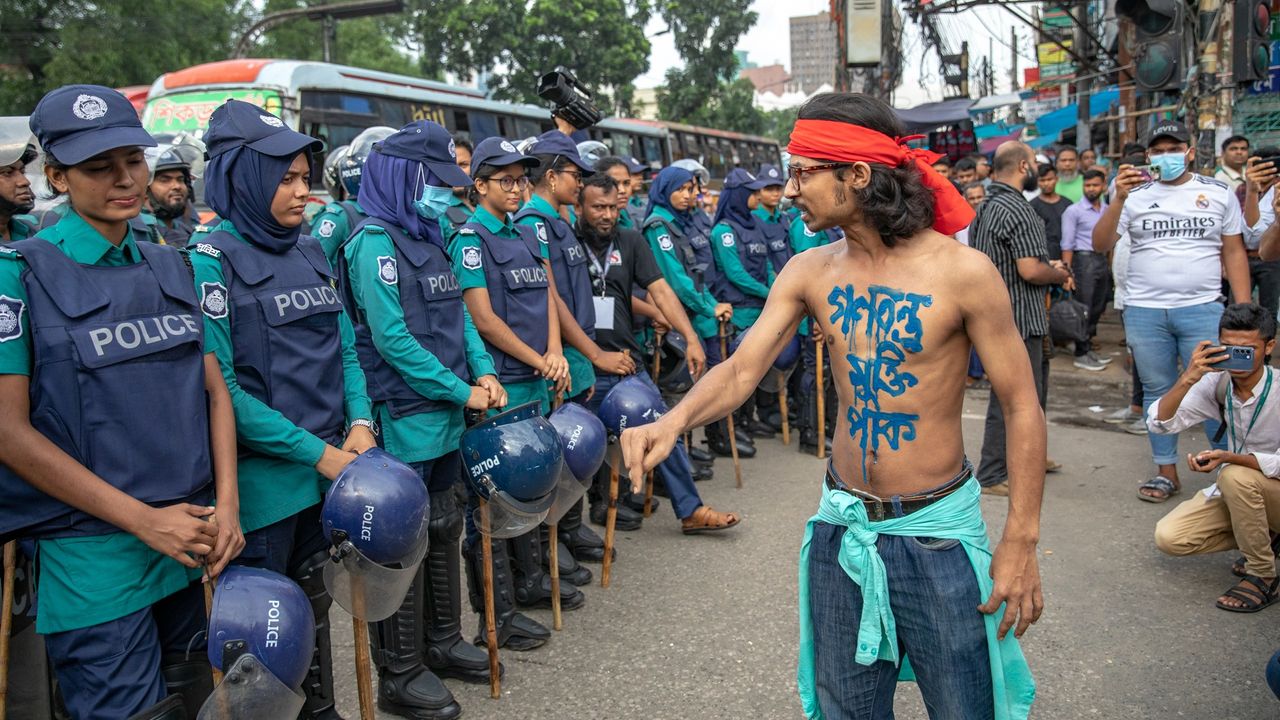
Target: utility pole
[(1084, 81), (1013, 59)]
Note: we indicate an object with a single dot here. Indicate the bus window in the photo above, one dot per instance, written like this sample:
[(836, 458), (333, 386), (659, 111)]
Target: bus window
[(481, 125), (652, 152), (620, 144), (525, 129)]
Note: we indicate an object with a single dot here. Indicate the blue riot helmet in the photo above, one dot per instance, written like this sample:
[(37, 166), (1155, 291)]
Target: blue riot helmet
[(351, 167), (582, 443), (673, 369), (331, 172), (631, 403), (513, 461), (261, 636), (790, 354), (776, 377), (375, 517)]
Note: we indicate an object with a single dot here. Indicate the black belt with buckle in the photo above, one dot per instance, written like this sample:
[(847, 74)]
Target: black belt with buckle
[(880, 508)]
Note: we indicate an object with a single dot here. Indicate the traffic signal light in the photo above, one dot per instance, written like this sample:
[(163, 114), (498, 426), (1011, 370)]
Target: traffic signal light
[(1251, 40), (1159, 34)]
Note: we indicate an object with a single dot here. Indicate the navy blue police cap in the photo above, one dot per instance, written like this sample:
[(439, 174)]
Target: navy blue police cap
[(236, 123), (634, 166), (741, 178), (771, 174), (77, 122), (498, 152), (554, 142), (430, 144)]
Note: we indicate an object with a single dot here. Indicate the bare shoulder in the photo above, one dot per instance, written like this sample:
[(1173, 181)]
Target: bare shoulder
[(969, 274), (807, 265)]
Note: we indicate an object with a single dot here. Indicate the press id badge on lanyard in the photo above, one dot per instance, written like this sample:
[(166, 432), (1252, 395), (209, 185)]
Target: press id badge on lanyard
[(602, 302)]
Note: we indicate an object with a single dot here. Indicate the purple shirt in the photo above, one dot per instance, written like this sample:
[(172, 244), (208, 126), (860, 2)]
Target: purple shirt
[(1077, 225)]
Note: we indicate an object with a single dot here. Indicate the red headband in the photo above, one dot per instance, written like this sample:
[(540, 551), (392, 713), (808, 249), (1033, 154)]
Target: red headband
[(845, 142)]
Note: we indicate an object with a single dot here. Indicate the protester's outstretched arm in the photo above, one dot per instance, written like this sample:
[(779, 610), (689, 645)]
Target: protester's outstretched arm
[(723, 389)]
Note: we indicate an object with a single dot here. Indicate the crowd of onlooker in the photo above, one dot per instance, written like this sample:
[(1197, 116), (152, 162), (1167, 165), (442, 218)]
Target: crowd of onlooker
[(1186, 252)]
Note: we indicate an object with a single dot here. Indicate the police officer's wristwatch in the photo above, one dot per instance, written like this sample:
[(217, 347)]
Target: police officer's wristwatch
[(362, 422)]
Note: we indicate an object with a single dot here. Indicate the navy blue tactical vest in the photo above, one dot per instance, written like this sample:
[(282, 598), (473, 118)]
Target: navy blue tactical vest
[(284, 327), (753, 253), (142, 232), (117, 383), (431, 300), (569, 263), (687, 250), (517, 284), (778, 241), (700, 241)]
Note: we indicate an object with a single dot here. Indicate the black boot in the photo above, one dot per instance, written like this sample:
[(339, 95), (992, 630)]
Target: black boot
[(447, 654), (188, 677), (317, 687), (635, 501), (582, 541), (718, 441), (405, 686), (627, 519), (516, 631), (570, 570), (170, 708), (702, 472), (532, 584), (698, 455), (745, 419)]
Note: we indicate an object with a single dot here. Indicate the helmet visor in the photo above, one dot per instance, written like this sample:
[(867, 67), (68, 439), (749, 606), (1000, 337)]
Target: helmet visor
[(249, 690), (568, 492), (508, 518), (367, 590)]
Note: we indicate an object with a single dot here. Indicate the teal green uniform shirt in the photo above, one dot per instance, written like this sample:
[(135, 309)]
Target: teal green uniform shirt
[(581, 372), (724, 247), (422, 436), (518, 393), (447, 228), (332, 226), (21, 227), (85, 581), (282, 480), (699, 304), (624, 219), (776, 218)]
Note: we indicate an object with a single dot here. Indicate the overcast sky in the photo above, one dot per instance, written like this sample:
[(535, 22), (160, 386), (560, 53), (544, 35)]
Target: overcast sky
[(770, 42)]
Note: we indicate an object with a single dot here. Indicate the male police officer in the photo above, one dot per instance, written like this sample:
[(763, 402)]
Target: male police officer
[(17, 148), (169, 197)]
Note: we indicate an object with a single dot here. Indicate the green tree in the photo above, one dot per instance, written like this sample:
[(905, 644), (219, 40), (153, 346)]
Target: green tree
[(48, 43), (601, 41), (731, 108), (705, 35)]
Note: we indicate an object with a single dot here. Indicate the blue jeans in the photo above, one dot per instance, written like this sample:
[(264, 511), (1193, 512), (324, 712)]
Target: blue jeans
[(1159, 339), (112, 670), (934, 597), (675, 471)]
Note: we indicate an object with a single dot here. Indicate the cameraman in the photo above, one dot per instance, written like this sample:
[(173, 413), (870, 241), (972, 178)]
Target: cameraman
[(1243, 508)]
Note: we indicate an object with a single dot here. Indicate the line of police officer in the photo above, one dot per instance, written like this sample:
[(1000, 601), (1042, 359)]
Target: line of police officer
[(434, 323)]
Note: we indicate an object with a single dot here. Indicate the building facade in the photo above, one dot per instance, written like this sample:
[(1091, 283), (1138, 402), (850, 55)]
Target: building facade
[(813, 51)]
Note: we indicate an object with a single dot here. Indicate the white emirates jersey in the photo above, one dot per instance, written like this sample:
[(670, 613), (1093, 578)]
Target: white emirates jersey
[(1176, 232)]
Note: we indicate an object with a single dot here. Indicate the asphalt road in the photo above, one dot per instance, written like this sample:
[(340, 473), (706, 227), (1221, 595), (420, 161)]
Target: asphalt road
[(705, 627)]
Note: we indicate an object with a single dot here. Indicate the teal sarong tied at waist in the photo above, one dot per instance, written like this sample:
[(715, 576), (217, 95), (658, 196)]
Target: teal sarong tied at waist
[(958, 516)]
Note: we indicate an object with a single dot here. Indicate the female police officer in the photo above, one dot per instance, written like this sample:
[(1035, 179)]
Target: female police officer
[(669, 228), (420, 351), (287, 352), (111, 454), (505, 278)]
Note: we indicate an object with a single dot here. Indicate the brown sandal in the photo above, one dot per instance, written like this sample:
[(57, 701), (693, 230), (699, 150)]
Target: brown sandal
[(706, 520)]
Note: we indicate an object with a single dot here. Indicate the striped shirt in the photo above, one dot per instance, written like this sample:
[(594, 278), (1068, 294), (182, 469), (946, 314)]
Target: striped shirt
[(1008, 228)]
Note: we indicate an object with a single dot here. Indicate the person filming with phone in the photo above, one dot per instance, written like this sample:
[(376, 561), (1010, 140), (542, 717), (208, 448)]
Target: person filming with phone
[(1185, 230), (1230, 380)]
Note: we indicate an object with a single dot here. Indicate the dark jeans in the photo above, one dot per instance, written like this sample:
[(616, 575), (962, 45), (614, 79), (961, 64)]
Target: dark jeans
[(283, 545), (112, 670), (934, 597), (1266, 277), (675, 471), (992, 468), (1093, 287)]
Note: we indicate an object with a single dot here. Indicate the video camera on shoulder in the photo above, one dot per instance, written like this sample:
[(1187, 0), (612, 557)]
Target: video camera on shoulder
[(569, 99)]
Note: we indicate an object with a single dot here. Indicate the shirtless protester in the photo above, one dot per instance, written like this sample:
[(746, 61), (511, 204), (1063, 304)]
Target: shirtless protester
[(899, 304)]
